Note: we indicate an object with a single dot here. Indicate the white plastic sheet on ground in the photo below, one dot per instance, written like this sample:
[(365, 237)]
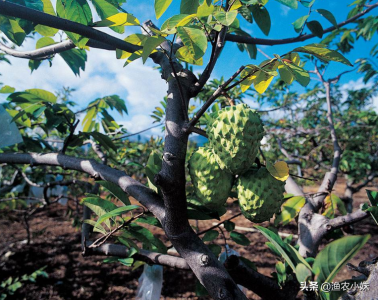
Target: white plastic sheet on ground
[(9, 133), (150, 283)]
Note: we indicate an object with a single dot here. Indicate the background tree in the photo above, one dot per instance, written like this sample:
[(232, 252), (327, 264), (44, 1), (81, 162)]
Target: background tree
[(181, 41)]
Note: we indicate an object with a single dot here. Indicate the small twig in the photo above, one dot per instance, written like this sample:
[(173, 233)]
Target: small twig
[(104, 238), (136, 133), (198, 131), (219, 224), (72, 130), (213, 97)]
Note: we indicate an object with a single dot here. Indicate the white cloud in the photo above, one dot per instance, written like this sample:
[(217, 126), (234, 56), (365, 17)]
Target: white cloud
[(141, 122), (284, 10), (357, 85)]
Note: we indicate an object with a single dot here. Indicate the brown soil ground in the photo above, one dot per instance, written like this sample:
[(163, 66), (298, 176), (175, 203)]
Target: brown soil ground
[(56, 245)]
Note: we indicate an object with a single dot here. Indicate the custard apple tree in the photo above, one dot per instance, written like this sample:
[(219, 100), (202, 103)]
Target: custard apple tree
[(130, 186)]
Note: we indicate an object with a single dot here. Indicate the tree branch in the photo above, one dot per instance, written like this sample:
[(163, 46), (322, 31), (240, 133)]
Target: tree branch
[(219, 45), (348, 219), (301, 38), (144, 195), (38, 17), (142, 255)]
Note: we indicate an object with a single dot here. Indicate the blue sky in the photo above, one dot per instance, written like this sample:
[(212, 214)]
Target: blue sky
[(142, 87)]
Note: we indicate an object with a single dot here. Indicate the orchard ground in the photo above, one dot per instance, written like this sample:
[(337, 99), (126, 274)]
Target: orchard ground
[(56, 244)]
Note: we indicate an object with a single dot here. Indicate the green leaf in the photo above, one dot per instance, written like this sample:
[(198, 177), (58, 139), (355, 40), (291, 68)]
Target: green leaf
[(210, 235), (205, 9), (116, 212), (194, 39), (300, 74), (262, 18), (316, 28), (32, 96), (262, 81), (216, 249), (289, 210), (107, 9), (46, 30), (307, 3), (161, 6), (128, 262), (335, 255), (239, 238), (120, 19), (229, 226), (331, 203), (116, 191), (12, 30), (226, 18), (99, 206), (74, 10), (189, 6), (97, 227), (373, 197), (281, 272), (298, 24), (277, 243), (43, 42), (169, 26), (145, 236), (6, 89), (153, 167), (285, 73), (328, 15), (246, 13), (185, 55), (150, 45), (302, 273), (75, 59), (321, 52), (290, 3), (104, 140)]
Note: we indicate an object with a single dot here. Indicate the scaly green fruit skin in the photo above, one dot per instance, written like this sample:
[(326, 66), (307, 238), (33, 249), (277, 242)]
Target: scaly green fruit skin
[(212, 185), (234, 134), (260, 195)]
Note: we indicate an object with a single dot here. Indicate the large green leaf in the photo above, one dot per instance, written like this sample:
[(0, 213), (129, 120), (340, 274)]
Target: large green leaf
[(185, 55), (189, 6), (226, 18), (75, 59), (106, 9), (277, 243), (120, 19), (289, 210), (153, 167), (333, 203), (74, 10), (323, 53), (104, 140), (328, 15), (291, 3), (210, 235), (262, 17), (298, 24), (169, 26), (116, 191), (12, 30), (194, 39), (45, 30), (116, 212), (300, 74), (239, 238), (161, 6), (316, 28), (32, 96), (335, 255), (151, 43)]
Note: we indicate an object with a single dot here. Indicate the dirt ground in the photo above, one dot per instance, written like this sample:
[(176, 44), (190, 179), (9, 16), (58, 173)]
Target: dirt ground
[(56, 245)]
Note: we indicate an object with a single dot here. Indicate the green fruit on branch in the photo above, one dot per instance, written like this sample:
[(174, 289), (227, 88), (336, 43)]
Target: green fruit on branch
[(234, 134), (212, 185), (260, 195)]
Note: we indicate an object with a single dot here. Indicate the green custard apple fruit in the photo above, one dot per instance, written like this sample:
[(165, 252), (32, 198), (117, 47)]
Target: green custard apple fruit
[(234, 134), (212, 185), (260, 195)]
